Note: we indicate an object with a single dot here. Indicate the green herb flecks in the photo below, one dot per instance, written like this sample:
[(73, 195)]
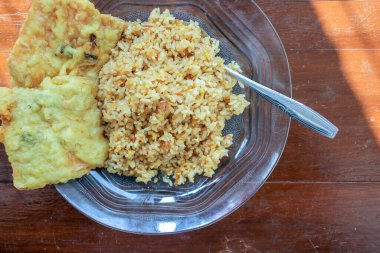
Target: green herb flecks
[(90, 57), (28, 138)]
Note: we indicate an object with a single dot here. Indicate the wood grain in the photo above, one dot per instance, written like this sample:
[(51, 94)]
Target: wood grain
[(311, 217), (335, 75), (354, 154), (313, 25), (324, 195)]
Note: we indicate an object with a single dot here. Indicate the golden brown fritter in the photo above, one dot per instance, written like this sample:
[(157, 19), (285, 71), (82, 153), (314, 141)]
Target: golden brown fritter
[(52, 133), (62, 37)]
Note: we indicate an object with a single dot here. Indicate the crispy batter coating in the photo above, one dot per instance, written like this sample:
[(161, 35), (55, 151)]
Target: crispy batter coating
[(62, 37), (52, 133)]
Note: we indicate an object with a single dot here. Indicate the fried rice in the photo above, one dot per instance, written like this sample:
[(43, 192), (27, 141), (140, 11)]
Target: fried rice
[(165, 97)]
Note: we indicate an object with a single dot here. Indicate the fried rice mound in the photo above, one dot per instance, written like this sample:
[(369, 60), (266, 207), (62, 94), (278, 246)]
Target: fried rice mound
[(165, 97)]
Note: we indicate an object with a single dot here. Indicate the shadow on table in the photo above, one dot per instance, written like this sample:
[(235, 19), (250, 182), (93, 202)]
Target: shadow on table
[(319, 81)]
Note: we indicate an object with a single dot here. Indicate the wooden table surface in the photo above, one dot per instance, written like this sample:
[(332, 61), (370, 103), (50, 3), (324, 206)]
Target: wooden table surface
[(324, 195)]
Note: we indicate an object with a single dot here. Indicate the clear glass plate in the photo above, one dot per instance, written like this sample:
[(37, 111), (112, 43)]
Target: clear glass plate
[(246, 36)]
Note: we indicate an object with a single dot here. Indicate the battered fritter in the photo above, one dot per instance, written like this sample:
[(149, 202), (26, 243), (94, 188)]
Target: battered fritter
[(53, 133), (62, 37)]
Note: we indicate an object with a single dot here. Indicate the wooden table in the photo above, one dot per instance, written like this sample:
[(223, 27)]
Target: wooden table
[(324, 195)]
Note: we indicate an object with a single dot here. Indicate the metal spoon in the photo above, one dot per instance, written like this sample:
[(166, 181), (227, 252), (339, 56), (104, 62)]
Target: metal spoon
[(300, 112)]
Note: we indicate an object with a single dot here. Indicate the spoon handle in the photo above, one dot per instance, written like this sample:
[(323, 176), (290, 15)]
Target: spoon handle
[(293, 108)]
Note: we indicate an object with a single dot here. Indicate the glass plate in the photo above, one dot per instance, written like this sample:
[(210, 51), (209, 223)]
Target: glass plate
[(247, 37)]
